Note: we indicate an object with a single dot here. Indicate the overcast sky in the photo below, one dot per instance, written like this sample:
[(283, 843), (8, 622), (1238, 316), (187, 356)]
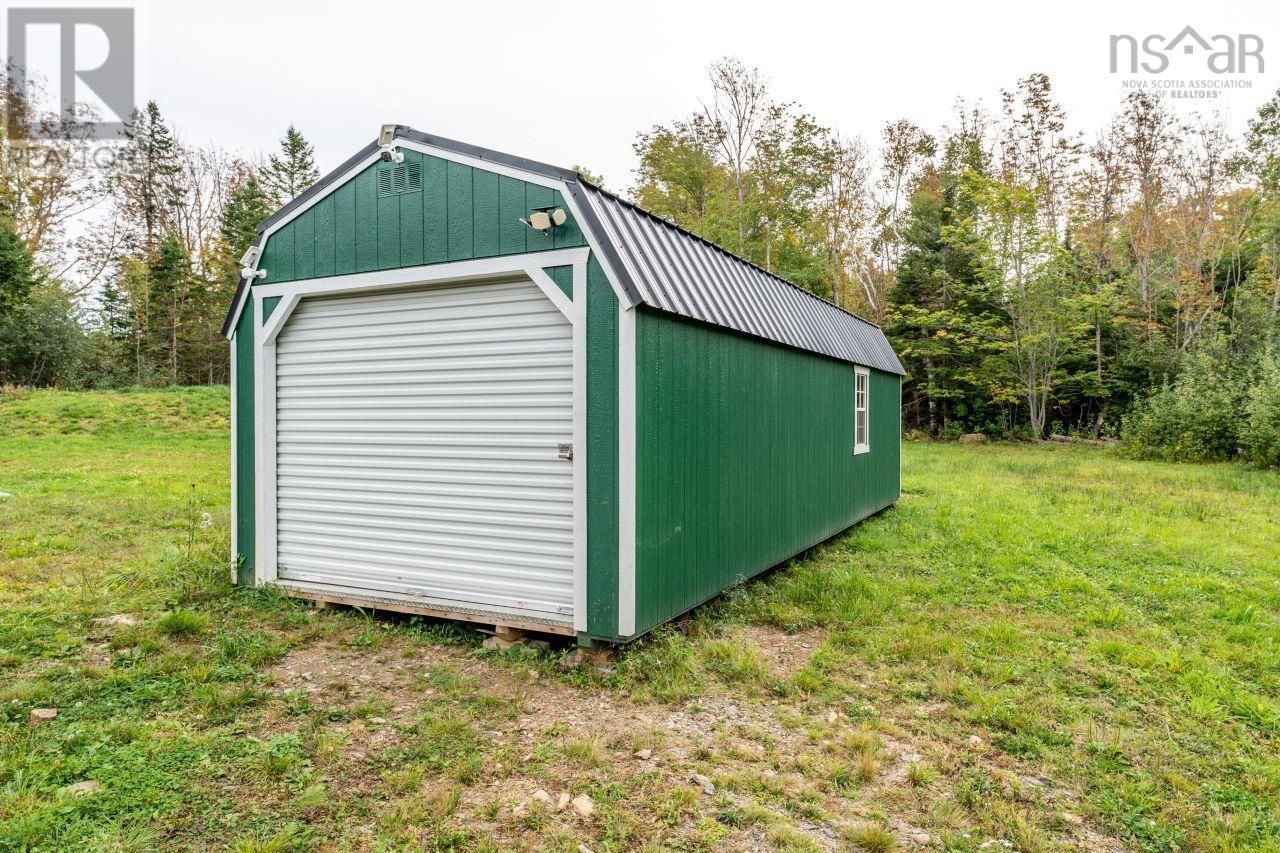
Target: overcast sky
[(572, 82)]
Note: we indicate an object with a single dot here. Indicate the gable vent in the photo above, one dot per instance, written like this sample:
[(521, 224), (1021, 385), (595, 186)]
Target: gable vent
[(402, 178)]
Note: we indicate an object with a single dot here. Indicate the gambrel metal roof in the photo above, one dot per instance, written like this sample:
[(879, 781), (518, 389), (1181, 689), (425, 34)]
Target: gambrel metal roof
[(668, 268), (677, 271)]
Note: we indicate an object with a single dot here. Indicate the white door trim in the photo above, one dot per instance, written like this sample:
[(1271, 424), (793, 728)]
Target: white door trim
[(284, 309), (530, 265), (552, 291)]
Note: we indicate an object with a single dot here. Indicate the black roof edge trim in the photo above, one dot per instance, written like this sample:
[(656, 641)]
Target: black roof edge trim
[(317, 188), (607, 248), (522, 163), (241, 286)]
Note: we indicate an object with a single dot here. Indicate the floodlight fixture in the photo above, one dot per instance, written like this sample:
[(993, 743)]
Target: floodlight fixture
[(387, 145), (544, 218)]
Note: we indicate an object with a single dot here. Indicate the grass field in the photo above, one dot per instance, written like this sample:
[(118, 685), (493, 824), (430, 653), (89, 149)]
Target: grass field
[(1041, 647)]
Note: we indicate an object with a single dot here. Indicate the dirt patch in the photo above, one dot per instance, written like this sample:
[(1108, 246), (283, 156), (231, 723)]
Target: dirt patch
[(783, 652), (779, 768)]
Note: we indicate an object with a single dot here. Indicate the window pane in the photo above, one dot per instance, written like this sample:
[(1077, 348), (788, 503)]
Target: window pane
[(860, 397)]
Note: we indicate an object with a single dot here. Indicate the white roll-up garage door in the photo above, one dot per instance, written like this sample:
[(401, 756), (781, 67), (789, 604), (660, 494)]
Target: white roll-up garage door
[(418, 440)]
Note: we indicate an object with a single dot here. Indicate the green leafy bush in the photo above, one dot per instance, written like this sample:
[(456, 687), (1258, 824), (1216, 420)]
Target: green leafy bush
[(40, 341), (1196, 418), (1261, 428)]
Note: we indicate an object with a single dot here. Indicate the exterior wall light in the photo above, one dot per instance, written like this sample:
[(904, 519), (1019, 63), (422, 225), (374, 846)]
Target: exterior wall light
[(542, 218), (387, 145)]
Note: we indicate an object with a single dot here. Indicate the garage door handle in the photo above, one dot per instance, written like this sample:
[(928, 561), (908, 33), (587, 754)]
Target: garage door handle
[(566, 451)]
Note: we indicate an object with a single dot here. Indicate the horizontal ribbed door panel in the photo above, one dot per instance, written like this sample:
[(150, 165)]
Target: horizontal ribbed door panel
[(418, 438)]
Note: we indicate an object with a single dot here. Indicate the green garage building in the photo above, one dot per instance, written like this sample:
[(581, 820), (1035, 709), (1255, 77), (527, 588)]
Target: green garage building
[(472, 385)]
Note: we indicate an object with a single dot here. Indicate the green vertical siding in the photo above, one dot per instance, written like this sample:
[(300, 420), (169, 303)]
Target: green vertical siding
[(563, 277), (244, 444), (269, 307), (460, 213), (745, 457), (602, 453)]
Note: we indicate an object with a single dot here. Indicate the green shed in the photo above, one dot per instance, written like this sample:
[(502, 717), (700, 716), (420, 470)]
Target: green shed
[(471, 385)]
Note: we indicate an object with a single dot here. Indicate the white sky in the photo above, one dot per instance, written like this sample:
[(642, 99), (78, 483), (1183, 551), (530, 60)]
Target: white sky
[(572, 82)]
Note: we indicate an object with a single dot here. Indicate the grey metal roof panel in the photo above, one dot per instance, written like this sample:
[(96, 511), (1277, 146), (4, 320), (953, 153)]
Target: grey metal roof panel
[(676, 271)]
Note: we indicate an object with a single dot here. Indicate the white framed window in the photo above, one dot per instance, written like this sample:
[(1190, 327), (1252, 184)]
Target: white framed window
[(861, 395)]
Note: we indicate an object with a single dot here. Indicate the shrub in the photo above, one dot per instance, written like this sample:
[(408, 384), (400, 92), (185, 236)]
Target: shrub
[(40, 341), (1260, 432), (1194, 419)]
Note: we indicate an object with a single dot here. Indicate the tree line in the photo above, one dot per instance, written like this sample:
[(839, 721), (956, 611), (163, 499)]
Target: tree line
[(1033, 277), (117, 263)]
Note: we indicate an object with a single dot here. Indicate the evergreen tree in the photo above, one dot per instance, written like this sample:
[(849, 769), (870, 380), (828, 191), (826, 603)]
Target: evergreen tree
[(943, 320), (247, 205), (114, 311), (169, 280), (292, 171), (18, 273), (147, 176), (112, 338), (204, 349)]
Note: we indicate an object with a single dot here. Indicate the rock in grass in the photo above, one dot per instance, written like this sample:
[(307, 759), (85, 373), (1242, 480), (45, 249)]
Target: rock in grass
[(541, 796), (643, 754), (42, 715), (583, 805), (707, 786), (562, 801), (973, 438), (82, 789)]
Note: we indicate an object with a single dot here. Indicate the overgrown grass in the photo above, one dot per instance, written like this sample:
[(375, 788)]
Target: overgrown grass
[(1116, 622), (1102, 627)]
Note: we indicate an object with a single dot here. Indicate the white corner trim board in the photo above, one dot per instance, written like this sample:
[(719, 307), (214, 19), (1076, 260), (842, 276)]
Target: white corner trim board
[(235, 455), (626, 470), (580, 446)]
